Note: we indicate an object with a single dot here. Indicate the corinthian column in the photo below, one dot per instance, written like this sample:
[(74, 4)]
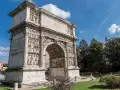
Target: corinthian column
[(75, 56), (42, 63), (26, 49)]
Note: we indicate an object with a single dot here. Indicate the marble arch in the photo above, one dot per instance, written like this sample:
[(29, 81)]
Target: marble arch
[(34, 31)]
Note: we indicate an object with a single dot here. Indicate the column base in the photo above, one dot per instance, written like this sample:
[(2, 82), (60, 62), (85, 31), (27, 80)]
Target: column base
[(74, 75), (26, 77), (73, 72)]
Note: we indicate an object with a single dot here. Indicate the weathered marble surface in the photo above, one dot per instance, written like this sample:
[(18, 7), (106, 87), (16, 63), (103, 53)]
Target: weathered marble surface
[(38, 37)]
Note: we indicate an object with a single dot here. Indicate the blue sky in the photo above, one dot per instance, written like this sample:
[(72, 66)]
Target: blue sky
[(94, 19)]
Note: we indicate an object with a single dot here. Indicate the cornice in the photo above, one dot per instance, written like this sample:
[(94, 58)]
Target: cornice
[(25, 4), (21, 7), (24, 25), (24, 69), (38, 28), (57, 33), (21, 25)]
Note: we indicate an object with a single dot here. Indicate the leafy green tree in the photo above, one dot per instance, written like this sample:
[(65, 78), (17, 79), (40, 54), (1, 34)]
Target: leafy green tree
[(112, 53), (96, 61), (82, 54)]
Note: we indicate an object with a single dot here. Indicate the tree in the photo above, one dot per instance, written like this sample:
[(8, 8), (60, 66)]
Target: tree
[(112, 53), (82, 54), (96, 61)]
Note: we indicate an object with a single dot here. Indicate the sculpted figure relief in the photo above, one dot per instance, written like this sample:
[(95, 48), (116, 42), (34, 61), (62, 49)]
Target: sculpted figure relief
[(33, 47), (32, 59), (33, 43), (47, 40)]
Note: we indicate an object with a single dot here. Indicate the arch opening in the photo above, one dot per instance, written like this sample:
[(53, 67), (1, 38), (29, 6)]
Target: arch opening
[(55, 60)]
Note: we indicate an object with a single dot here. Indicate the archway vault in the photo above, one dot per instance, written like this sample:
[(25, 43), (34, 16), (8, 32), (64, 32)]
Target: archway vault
[(56, 59), (56, 55)]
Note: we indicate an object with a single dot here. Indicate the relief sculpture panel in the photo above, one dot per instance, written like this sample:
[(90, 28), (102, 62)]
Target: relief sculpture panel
[(33, 59), (33, 47), (47, 40), (70, 54), (33, 43)]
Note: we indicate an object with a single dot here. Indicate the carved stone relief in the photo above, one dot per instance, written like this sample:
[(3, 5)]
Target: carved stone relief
[(34, 16), (70, 54), (71, 61), (33, 43), (32, 59), (56, 36), (70, 48), (33, 47), (63, 44), (47, 40)]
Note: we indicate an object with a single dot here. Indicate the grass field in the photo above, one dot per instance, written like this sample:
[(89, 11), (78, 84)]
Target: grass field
[(3, 88), (90, 85)]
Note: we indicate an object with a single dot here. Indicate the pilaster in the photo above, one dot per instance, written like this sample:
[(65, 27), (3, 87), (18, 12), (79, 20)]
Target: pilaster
[(42, 62), (26, 48)]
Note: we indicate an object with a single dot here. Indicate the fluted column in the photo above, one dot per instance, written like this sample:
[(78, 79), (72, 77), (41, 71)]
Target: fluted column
[(66, 58), (42, 62), (76, 63), (10, 49), (25, 49), (75, 56)]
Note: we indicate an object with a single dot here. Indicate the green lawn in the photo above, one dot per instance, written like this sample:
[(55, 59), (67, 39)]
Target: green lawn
[(3, 88), (90, 85)]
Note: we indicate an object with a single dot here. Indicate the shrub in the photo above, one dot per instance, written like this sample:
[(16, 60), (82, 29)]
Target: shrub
[(61, 83), (113, 81)]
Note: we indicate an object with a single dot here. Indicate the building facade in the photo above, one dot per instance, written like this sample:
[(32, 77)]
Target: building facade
[(40, 40)]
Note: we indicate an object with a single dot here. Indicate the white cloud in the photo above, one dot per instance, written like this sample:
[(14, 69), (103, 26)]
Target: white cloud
[(81, 32), (4, 48), (4, 51), (5, 61), (57, 11), (114, 29)]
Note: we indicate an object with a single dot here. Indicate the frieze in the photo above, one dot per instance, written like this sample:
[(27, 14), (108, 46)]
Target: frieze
[(59, 36), (33, 59), (71, 61), (47, 40), (33, 31), (63, 44), (34, 16), (33, 43), (70, 48)]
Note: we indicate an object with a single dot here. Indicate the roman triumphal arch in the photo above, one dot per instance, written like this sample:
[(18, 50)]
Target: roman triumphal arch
[(40, 40)]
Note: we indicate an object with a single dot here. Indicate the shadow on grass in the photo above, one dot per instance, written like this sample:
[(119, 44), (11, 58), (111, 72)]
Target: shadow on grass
[(103, 87), (98, 87)]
